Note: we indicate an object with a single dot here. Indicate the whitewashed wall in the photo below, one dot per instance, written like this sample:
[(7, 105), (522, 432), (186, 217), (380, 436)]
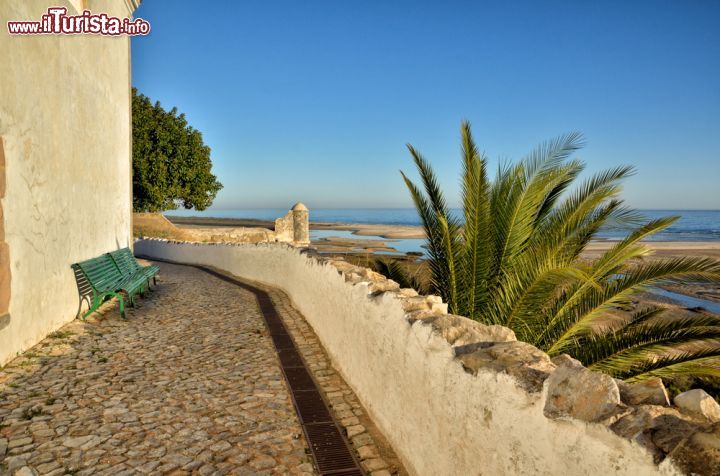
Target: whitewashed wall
[(439, 419), (65, 125)]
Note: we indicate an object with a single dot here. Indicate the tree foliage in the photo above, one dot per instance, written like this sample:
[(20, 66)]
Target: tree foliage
[(514, 260), (171, 164)]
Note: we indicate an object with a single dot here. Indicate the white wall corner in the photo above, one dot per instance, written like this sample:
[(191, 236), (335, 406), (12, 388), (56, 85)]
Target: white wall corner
[(132, 5)]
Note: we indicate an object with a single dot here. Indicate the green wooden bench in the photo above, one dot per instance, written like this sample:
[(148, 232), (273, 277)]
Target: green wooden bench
[(129, 266), (102, 279)]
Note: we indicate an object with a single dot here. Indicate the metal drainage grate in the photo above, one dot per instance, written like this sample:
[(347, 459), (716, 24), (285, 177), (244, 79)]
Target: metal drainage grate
[(328, 446), (290, 358), (310, 407), (299, 379), (282, 341), (331, 459)]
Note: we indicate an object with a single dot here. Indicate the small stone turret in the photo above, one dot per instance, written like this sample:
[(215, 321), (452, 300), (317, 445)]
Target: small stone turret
[(301, 224), (295, 226)]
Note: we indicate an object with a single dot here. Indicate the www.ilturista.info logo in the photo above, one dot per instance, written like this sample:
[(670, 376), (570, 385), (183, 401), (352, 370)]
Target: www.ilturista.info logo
[(57, 22)]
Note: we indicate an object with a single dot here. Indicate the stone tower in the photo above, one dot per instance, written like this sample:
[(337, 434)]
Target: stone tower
[(301, 224)]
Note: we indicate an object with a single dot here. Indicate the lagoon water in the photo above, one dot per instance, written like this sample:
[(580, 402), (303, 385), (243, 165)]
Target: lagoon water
[(693, 225)]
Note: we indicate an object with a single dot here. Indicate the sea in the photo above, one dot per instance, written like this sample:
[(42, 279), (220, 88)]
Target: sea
[(693, 225)]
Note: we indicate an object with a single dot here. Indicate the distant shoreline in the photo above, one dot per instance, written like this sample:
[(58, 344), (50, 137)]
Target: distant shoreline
[(669, 248), (361, 229)]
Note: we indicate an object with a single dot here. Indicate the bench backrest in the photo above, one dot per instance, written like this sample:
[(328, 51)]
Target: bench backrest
[(101, 272), (125, 261)]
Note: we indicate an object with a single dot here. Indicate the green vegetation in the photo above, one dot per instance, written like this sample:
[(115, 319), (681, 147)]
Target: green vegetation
[(515, 261), (171, 164), (394, 270), (61, 335)]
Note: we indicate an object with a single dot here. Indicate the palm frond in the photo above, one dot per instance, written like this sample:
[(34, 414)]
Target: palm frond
[(518, 262), (476, 211), (392, 269)]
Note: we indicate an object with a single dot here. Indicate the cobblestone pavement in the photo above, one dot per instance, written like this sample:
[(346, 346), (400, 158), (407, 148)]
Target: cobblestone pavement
[(370, 446), (189, 383)]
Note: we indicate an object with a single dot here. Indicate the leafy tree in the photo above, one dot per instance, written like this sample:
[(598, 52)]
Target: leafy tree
[(515, 260), (171, 164)]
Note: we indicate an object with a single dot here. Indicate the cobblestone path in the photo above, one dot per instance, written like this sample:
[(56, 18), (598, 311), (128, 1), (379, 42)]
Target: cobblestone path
[(188, 384)]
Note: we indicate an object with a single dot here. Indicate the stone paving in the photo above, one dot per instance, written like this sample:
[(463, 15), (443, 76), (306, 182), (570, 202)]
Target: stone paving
[(370, 446), (188, 384)]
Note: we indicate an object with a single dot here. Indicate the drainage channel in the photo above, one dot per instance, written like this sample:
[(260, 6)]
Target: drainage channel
[(329, 448)]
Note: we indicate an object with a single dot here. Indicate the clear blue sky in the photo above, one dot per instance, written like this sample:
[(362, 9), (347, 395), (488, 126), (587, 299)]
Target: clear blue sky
[(315, 100)]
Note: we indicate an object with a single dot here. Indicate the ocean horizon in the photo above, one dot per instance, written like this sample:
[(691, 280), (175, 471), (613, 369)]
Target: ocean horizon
[(693, 225)]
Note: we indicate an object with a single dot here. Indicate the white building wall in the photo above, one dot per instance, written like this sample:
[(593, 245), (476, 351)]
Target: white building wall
[(65, 126)]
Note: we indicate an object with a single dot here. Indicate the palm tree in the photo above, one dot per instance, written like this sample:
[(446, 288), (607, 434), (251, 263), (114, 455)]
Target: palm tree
[(514, 260), (392, 269)]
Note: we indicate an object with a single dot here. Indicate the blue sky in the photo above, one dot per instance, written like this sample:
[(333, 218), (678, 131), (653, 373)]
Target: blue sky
[(315, 100)]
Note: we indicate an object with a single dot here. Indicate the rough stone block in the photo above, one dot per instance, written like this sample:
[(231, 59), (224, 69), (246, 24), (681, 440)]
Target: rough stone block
[(407, 292), (416, 303), (698, 403), (387, 285), (422, 315), (529, 365), (648, 392), (565, 359), (373, 276), (642, 419), (459, 331), (699, 453), (580, 393), (344, 266)]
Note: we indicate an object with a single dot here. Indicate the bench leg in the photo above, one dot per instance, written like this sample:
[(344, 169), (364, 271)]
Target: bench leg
[(93, 306), (122, 306)]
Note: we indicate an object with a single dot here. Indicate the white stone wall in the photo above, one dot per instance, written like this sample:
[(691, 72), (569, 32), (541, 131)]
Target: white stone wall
[(439, 418), (65, 125)]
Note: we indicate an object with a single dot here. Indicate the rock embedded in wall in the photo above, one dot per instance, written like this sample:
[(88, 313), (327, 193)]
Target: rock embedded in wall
[(698, 402), (526, 363), (574, 391), (647, 392), (699, 453)]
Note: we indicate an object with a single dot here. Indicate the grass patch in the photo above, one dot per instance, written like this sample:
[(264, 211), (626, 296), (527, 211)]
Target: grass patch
[(61, 334)]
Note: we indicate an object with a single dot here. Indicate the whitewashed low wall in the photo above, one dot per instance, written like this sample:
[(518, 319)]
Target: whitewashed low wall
[(439, 418)]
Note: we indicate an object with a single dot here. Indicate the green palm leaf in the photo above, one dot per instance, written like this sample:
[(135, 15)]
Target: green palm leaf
[(518, 262)]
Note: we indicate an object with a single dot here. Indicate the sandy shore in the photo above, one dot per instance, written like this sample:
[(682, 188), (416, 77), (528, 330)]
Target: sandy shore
[(393, 232)]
